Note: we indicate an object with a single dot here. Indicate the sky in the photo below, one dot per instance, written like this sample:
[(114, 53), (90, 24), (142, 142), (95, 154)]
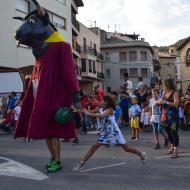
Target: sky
[(160, 22)]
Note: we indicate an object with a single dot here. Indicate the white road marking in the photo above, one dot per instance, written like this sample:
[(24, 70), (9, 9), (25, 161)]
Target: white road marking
[(15, 169), (169, 156), (93, 132), (101, 167)]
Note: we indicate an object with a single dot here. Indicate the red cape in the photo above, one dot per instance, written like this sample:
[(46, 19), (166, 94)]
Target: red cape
[(57, 83)]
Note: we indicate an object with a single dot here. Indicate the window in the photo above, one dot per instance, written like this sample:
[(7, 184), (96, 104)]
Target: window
[(108, 74), (62, 1), (144, 73), (133, 73), (83, 63), (90, 66), (107, 55), (123, 56), (122, 71), (94, 46), (84, 41), (132, 56), (94, 67), (188, 57), (143, 56), (84, 44), (22, 5), (59, 21), (32, 7)]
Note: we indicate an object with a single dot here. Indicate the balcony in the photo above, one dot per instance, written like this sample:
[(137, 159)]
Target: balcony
[(89, 74), (100, 75), (92, 51), (100, 57), (75, 23)]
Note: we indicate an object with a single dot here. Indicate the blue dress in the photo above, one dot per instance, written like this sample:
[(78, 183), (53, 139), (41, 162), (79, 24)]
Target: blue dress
[(110, 132)]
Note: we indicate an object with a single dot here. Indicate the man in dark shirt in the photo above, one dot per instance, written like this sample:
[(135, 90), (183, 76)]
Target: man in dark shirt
[(12, 100)]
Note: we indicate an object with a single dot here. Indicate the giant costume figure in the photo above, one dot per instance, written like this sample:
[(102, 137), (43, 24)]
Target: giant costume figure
[(53, 84)]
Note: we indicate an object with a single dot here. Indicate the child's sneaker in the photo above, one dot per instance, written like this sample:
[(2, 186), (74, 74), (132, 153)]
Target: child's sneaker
[(157, 146), (143, 157), (55, 166), (78, 167)]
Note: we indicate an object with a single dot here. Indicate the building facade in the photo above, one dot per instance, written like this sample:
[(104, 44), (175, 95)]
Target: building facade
[(168, 66), (126, 54), (75, 33), (182, 49), (61, 15), (176, 63), (91, 58)]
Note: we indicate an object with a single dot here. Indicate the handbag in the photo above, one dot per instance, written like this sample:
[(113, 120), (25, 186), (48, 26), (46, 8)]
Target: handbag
[(64, 115)]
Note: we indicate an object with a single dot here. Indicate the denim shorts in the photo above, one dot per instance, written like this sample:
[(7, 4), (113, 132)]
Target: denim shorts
[(157, 128)]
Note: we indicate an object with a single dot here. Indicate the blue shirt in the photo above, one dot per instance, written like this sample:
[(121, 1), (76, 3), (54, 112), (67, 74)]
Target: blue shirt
[(12, 103), (118, 113), (135, 110), (124, 102)]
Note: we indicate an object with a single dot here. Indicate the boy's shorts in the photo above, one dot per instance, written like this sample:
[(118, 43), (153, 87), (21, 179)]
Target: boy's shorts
[(135, 122)]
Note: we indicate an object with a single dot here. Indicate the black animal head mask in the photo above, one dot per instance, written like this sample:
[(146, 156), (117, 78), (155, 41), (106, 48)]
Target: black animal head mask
[(36, 28)]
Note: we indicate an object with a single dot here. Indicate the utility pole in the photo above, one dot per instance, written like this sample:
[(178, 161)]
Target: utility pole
[(115, 28)]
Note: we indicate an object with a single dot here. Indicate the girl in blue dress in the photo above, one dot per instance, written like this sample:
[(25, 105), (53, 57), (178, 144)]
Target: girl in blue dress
[(109, 134)]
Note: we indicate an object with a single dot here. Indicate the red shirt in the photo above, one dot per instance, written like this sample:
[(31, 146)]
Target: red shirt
[(101, 93)]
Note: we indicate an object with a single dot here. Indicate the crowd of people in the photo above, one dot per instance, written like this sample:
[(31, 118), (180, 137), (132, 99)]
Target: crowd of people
[(10, 107), (158, 109)]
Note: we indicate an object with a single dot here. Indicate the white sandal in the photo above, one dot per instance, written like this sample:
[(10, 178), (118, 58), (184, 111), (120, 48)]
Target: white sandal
[(79, 166)]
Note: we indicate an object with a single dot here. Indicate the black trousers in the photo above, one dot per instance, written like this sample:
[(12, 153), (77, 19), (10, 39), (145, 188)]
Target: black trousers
[(182, 123), (173, 135)]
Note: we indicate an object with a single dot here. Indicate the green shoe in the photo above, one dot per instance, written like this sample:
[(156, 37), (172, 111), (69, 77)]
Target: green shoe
[(54, 167), (50, 163)]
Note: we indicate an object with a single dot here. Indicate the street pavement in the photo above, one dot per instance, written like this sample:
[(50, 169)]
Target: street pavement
[(22, 166)]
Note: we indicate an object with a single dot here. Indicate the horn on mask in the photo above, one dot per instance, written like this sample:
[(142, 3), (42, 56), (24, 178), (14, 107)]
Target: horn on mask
[(41, 11)]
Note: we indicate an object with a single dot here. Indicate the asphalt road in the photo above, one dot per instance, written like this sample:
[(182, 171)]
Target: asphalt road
[(110, 168)]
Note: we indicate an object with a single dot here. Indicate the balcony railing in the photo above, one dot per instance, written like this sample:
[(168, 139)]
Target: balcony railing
[(88, 49), (100, 56), (92, 51), (100, 75), (75, 23)]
